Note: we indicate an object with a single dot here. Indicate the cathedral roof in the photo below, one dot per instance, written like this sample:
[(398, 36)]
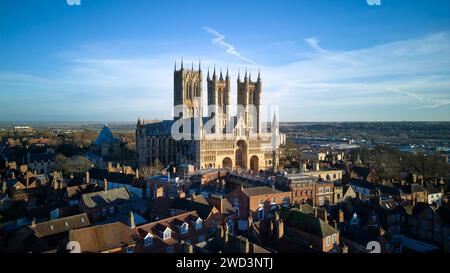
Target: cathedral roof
[(105, 136)]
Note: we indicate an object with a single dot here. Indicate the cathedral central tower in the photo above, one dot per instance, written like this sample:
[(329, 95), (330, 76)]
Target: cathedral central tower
[(188, 92)]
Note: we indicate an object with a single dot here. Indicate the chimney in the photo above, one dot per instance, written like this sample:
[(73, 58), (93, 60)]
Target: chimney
[(87, 177), (244, 246), (341, 216), (137, 173), (188, 248), (33, 223), (105, 184), (132, 223)]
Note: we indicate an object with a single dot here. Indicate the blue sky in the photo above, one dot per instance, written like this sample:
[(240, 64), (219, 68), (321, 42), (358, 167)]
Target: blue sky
[(336, 60)]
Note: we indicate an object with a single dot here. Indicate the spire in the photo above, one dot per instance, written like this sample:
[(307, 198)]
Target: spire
[(208, 75), (245, 77), (227, 76), (200, 64), (239, 75), (182, 62), (131, 219), (192, 68), (214, 73), (221, 76), (259, 74), (175, 69)]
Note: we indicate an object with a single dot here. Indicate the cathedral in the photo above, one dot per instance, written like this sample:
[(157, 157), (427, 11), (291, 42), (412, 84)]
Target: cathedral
[(218, 140)]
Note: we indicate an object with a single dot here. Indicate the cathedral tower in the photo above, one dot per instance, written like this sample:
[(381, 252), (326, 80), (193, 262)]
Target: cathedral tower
[(249, 101), (218, 100), (188, 91)]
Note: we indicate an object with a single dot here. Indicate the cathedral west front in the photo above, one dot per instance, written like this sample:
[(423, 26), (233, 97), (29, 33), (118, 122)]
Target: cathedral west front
[(217, 140)]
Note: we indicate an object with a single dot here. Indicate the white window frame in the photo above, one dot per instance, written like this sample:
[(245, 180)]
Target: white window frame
[(328, 241)]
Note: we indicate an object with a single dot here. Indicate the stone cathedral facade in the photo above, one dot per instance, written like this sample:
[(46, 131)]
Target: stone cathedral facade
[(218, 140)]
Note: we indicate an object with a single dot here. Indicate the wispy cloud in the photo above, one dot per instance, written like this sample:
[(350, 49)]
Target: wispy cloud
[(314, 44), (402, 80), (219, 40)]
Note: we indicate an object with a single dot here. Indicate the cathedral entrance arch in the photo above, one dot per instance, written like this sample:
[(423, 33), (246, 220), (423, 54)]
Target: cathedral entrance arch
[(254, 164), (227, 163), (241, 154)]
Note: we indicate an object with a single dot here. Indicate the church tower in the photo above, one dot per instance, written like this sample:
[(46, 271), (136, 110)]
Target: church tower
[(249, 101), (218, 100), (188, 91)]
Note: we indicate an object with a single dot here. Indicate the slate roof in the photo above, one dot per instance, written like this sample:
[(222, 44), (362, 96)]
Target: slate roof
[(61, 225), (431, 188), (42, 157), (121, 178), (102, 198), (105, 136), (75, 192), (362, 184), (310, 224), (102, 237), (412, 188), (203, 210)]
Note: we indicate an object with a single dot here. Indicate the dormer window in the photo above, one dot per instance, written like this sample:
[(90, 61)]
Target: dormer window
[(148, 240), (198, 224), (167, 234), (184, 228)]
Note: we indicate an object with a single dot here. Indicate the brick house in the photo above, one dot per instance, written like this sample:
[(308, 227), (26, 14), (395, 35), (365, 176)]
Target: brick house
[(425, 223), (311, 230), (256, 202)]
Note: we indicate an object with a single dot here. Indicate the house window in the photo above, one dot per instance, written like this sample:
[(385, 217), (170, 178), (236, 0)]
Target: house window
[(334, 238), (327, 189), (320, 190), (328, 241), (236, 209), (170, 249), (261, 202), (321, 201), (285, 202), (201, 238), (230, 227), (111, 210), (274, 200), (261, 213), (424, 224), (167, 234), (130, 249), (436, 227), (104, 212)]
